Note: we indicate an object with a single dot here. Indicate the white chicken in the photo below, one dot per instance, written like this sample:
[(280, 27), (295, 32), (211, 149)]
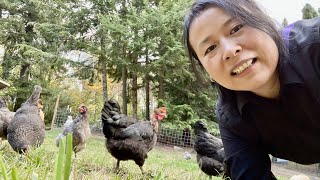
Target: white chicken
[(67, 127)]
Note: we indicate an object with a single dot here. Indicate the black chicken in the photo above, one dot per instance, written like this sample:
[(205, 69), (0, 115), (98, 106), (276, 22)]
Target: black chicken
[(127, 138), (26, 128), (210, 152)]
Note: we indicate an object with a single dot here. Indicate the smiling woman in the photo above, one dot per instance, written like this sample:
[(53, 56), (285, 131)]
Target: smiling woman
[(268, 81), (235, 55)]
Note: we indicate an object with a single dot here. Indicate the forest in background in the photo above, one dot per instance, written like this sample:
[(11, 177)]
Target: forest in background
[(88, 51)]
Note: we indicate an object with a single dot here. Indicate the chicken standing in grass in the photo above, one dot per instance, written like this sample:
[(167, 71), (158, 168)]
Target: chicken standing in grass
[(4, 122), (5, 118), (79, 128), (126, 138), (210, 151), (4, 109), (67, 127), (26, 128)]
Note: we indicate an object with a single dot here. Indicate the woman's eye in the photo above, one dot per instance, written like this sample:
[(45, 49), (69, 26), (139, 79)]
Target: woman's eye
[(236, 29), (211, 48)]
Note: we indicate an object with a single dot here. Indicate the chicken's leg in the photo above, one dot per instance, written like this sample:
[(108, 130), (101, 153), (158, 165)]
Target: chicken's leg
[(116, 168), (141, 170)]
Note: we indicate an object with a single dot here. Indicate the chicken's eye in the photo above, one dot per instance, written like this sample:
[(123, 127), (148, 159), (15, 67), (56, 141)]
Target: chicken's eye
[(236, 28), (210, 48)]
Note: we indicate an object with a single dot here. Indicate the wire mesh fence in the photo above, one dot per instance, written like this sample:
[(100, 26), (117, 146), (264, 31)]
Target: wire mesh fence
[(61, 118), (174, 137), (165, 136)]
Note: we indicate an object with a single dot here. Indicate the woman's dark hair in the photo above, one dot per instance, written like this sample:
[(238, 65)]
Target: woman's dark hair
[(246, 11)]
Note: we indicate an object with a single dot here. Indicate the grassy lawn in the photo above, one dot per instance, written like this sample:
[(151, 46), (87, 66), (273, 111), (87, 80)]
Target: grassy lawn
[(94, 162)]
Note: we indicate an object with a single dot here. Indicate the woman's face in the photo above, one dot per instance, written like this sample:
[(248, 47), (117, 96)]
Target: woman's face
[(236, 56)]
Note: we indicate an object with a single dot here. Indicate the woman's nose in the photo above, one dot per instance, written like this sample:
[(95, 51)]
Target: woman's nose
[(230, 49)]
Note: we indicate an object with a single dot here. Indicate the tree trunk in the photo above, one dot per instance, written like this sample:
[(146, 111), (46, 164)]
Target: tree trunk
[(134, 96), (147, 97), (160, 90), (6, 65), (124, 90), (49, 76), (24, 72), (147, 87), (104, 81), (103, 60)]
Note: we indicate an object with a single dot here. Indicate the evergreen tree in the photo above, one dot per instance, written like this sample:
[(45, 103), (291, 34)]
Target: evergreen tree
[(308, 12), (33, 34), (285, 22)]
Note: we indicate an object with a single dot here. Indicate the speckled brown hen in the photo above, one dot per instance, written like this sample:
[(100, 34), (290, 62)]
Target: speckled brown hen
[(26, 129), (79, 128)]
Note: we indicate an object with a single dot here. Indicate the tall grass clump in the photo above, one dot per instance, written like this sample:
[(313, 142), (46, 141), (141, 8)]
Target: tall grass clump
[(63, 160), (32, 161)]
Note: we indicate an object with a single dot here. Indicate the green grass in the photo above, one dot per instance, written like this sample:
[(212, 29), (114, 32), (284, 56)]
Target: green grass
[(94, 162)]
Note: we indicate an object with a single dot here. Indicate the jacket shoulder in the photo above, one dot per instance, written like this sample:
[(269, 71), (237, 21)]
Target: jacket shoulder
[(302, 33)]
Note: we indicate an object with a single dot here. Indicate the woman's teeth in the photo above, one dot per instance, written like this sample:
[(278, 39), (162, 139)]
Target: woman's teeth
[(241, 68)]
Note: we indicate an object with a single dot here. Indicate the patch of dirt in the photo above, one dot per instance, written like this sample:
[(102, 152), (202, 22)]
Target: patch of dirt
[(287, 171)]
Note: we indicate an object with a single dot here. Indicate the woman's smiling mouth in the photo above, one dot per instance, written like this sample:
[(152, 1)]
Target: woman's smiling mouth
[(242, 67)]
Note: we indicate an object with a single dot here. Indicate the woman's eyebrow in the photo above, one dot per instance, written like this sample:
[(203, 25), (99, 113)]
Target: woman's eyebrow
[(225, 24), (228, 21)]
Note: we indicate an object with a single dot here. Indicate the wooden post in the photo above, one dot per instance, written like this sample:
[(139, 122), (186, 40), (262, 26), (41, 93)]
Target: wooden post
[(3, 84), (55, 111)]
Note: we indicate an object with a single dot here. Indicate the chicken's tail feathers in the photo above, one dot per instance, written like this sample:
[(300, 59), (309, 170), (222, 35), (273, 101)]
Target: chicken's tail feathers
[(58, 138), (109, 111), (105, 111)]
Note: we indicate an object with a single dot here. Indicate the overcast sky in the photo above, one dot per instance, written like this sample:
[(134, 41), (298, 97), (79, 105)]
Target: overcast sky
[(290, 9)]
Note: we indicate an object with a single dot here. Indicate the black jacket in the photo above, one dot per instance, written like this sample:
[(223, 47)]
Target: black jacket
[(253, 127)]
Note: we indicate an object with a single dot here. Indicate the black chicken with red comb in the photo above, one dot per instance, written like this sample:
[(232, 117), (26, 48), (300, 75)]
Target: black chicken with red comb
[(126, 137)]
